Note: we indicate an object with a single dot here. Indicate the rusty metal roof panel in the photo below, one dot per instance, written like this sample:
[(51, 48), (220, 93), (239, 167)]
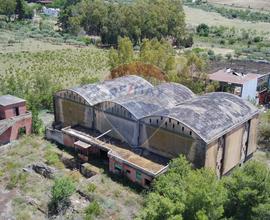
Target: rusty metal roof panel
[(110, 89), (163, 96), (212, 115)]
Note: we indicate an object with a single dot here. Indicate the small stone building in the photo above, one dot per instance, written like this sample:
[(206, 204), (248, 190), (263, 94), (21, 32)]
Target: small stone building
[(138, 128), (15, 120)]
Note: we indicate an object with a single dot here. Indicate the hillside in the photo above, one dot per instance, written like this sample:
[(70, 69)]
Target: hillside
[(254, 4)]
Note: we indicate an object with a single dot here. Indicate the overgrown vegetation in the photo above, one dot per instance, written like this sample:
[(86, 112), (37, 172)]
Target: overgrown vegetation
[(93, 209), (62, 189), (32, 192), (184, 193), (187, 69)]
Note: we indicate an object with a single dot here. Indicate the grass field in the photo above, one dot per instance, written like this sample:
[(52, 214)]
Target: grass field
[(25, 195), (195, 17), (254, 4)]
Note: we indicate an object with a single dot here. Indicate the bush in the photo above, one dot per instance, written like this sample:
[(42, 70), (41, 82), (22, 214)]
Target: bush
[(62, 189), (249, 192), (51, 157), (91, 188), (183, 193), (17, 180), (203, 30), (93, 209)]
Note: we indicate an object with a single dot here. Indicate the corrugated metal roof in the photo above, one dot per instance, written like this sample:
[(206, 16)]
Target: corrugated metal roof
[(6, 100), (229, 76), (212, 115), (166, 95), (109, 89)]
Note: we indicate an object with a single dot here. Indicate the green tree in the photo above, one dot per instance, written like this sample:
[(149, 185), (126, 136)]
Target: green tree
[(7, 8), (137, 20), (192, 73), (58, 3), (37, 124), (203, 30), (184, 193), (249, 192), (123, 55), (125, 50), (158, 53), (20, 10)]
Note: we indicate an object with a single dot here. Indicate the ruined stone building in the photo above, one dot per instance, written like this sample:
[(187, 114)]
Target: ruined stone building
[(138, 128), (15, 120)]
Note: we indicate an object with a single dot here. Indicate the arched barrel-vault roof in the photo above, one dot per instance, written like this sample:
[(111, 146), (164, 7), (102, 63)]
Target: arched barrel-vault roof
[(165, 95), (212, 115), (109, 89)]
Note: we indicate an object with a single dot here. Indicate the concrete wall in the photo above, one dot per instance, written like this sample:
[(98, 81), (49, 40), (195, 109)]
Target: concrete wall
[(252, 139), (55, 135), (249, 90), (169, 138), (123, 129), (70, 113), (211, 155), (129, 172), (233, 146), (239, 144)]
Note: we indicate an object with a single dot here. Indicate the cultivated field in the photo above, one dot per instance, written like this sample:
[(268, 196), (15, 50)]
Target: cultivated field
[(254, 4)]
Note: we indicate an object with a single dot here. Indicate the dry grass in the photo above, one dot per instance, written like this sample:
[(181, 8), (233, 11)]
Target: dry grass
[(27, 44), (195, 17), (254, 4), (31, 194)]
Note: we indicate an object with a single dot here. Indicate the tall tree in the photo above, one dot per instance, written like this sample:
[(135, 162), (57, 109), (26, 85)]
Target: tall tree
[(137, 20), (20, 11), (249, 192), (184, 193), (7, 8)]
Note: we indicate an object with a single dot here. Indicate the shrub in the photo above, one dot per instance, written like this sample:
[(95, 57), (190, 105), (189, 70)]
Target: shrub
[(257, 39), (62, 189), (93, 209), (17, 180), (203, 30), (91, 188), (75, 176), (51, 157)]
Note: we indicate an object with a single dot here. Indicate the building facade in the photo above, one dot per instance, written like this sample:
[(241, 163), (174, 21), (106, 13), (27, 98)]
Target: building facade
[(138, 131), (15, 120), (250, 86)]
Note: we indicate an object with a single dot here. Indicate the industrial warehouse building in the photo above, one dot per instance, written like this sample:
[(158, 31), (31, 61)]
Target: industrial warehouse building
[(138, 127)]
